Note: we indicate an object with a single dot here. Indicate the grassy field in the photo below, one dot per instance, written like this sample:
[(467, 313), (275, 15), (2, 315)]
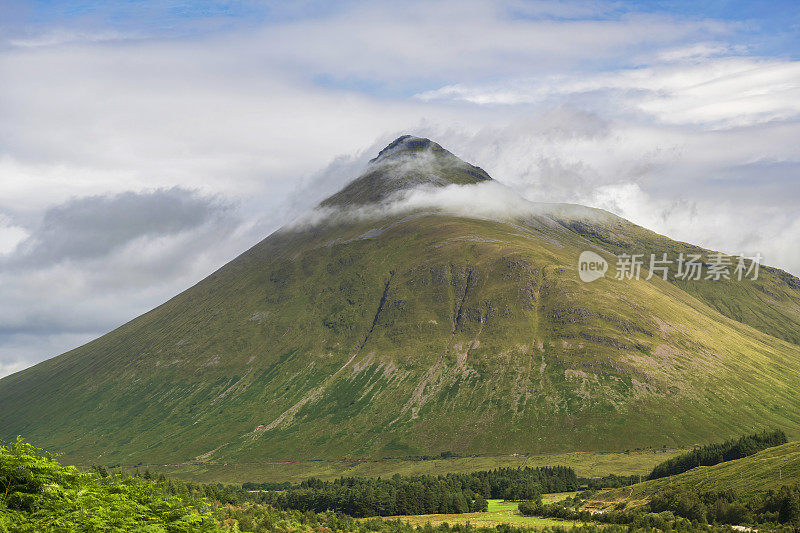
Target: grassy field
[(585, 464), (768, 469), (553, 497), (499, 512)]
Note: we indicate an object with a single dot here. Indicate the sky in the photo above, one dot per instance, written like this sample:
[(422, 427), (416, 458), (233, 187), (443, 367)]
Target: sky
[(144, 144)]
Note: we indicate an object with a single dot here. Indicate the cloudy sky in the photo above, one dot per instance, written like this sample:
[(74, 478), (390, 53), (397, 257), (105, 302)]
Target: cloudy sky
[(144, 144)]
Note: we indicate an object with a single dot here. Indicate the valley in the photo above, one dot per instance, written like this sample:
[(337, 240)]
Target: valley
[(586, 464)]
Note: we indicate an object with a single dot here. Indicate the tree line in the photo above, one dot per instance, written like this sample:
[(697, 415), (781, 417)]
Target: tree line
[(425, 494), (611, 481), (780, 506), (774, 507), (713, 454)]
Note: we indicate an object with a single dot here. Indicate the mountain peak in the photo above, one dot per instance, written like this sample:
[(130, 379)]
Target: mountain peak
[(406, 163), (406, 144)]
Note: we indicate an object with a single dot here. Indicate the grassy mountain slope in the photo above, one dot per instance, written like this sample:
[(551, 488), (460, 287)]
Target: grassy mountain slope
[(413, 334), (767, 470), (770, 303)]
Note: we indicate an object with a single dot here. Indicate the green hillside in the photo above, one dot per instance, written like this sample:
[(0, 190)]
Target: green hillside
[(770, 303), (418, 333), (769, 469)]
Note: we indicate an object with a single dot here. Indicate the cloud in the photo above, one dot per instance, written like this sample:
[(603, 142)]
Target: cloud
[(718, 92), (488, 200), (10, 368), (95, 226), (696, 52), (727, 226), (479, 40), (62, 36), (20, 351), (10, 235), (731, 227), (685, 182), (95, 262)]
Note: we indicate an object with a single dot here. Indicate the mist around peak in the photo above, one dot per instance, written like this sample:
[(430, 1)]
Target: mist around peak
[(413, 174), (406, 163)]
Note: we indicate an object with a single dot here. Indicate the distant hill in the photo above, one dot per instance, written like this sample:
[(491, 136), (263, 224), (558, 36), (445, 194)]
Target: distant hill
[(769, 469), (383, 329)]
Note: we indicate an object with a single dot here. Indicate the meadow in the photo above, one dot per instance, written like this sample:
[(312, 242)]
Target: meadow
[(585, 464), (499, 512)]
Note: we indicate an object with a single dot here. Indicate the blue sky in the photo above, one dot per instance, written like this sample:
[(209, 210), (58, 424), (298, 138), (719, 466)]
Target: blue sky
[(766, 28), (144, 144), (775, 17)]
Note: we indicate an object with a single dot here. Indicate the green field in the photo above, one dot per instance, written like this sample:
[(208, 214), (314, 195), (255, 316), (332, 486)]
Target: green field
[(585, 464), (768, 469), (499, 512)]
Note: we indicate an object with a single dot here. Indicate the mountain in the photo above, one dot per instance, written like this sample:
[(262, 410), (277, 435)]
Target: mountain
[(407, 162), (384, 326)]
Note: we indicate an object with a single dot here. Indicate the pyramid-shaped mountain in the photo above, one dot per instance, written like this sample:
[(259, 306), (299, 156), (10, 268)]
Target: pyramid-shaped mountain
[(419, 331), (406, 163)]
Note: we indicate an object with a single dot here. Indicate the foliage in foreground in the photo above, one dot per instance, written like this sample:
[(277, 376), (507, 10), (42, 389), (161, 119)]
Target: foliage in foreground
[(38, 494), (713, 454)]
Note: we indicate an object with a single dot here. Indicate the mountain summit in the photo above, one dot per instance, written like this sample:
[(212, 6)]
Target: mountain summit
[(406, 163), (420, 333)]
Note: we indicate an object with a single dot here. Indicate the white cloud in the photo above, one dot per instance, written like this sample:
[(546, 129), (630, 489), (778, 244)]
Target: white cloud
[(94, 263), (719, 92), (61, 36), (725, 226), (696, 52), (10, 235), (470, 39), (10, 368), (489, 200)]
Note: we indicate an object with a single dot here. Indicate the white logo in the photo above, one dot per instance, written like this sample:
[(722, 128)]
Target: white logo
[(591, 266)]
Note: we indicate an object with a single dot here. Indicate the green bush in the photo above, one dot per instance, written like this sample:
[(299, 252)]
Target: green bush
[(38, 494)]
